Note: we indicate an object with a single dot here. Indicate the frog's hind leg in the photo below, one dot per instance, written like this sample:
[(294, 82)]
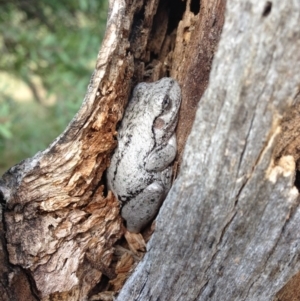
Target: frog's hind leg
[(139, 211)]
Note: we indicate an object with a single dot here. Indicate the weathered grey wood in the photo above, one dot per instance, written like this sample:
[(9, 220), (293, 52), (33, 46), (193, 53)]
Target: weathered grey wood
[(229, 228)]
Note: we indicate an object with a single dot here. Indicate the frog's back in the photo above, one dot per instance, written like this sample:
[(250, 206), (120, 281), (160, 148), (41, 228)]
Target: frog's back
[(126, 174)]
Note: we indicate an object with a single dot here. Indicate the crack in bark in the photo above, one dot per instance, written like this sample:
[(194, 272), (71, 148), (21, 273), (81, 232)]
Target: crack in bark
[(246, 144), (263, 268), (201, 290), (143, 285), (217, 249)]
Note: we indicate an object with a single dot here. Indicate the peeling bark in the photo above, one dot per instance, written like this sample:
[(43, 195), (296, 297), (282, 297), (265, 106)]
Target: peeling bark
[(228, 228)]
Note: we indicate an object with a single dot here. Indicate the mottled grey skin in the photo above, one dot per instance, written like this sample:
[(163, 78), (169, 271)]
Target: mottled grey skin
[(140, 173)]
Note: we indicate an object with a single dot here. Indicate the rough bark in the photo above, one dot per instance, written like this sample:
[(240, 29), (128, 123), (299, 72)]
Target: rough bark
[(228, 228)]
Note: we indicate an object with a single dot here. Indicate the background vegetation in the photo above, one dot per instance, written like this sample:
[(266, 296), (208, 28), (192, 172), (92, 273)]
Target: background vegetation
[(49, 50)]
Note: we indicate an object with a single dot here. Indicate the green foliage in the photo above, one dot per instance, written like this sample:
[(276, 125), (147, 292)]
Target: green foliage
[(5, 122), (57, 42)]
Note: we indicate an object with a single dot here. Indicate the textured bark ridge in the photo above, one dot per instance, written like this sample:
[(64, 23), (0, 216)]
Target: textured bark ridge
[(228, 229)]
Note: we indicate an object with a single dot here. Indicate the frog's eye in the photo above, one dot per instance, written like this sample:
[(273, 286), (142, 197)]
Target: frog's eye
[(166, 102)]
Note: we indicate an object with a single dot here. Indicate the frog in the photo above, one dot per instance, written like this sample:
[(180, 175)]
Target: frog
[(140, 172)]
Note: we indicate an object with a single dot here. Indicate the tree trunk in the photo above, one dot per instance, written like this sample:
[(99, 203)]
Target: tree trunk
[(228, 228)]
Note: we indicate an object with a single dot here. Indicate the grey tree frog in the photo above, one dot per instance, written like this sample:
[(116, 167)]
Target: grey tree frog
[(140, 172)]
